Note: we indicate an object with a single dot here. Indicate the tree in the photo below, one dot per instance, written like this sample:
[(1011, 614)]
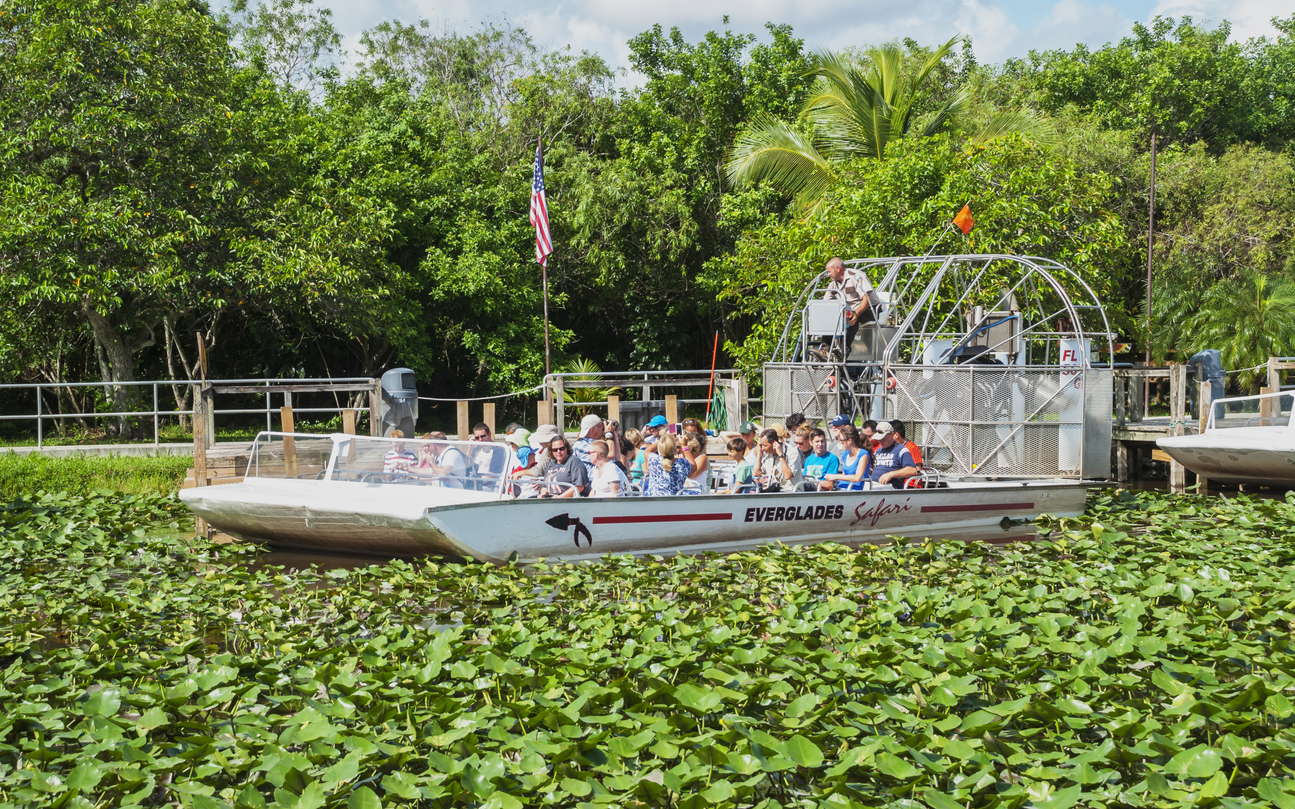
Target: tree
[(289, 40), (852, 113), (1027, 200), (148, 186)]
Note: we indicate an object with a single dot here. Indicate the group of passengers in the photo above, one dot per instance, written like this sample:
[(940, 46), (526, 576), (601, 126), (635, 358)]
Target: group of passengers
[(795, 456), (604, 461)]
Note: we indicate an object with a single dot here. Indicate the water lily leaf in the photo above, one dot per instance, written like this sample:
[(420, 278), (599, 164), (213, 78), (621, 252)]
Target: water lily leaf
[(896, 767), (697, 699), (801, 705), (1238, 749), (802, 751), (344, 770), (402, 784), (1216, 787), (105, 702), (152, 718), (85, 776), (1195, 762), (501, 800), (363, 798), (1043, 796), (1072, 706), (47, 782), (576, 787), (1279, 706), (1270, 789), (718, 792), (938, 800)]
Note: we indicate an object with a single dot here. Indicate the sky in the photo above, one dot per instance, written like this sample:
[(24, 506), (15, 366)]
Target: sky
[(999, 29)]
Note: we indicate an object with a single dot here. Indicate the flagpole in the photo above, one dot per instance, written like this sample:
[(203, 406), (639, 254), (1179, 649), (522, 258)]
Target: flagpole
[(544, 273)]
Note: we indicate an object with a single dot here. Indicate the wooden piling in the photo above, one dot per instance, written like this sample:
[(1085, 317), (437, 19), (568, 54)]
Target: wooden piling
[(289, 443), (614, 408), (672, 409), (348, 422), (200, 400), (488, 416), (543, 412), (1204, 397), (463, 425), (1177, 422)]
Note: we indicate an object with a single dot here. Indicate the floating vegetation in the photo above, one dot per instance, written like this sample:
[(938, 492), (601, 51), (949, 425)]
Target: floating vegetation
[(1096, 667)]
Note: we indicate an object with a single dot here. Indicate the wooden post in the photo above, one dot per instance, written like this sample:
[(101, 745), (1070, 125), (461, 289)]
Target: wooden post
[(1121, 461), (289, 443), (200, 449), (672, 409), (1121, 395), (348, 421), (1204, 399), (614, 408), (559, 405), (1177, 422), (463, 427), (1270, 408), (375, 409), (1138, 398), (543, 412), (1274, 374), (488, 416)]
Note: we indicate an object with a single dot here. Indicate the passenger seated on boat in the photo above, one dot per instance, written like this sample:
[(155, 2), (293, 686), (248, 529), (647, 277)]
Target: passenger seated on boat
[(771, 469), (564, 468), (698, 481), (821, 463), (913, 449), (488, 461), (892, 462), (592, 429), (608, 480), (652, 430), (637, 456), (743, 480), (439, 460), (856, 463), (398, 458), (869, 432), (666, 474), (834, 444)]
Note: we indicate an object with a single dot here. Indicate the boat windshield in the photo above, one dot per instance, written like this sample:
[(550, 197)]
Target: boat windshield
[(470, 465), (1264, 410), (290, 456)]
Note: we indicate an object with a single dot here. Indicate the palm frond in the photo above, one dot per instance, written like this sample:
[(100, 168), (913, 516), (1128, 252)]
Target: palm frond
[(772, 152), (1025, 122), (950, 110)]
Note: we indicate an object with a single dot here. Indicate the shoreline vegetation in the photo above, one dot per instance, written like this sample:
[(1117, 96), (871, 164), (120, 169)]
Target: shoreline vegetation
[(24, 475), (1138, 656)]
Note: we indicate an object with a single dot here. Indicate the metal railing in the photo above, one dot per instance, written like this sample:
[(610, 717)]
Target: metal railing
[(40, 416)]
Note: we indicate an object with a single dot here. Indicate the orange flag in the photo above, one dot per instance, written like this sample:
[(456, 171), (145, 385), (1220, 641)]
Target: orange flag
[(963, 220)]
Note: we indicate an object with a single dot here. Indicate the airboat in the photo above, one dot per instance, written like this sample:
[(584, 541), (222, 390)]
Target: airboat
[(989, 360), (1247, 439)]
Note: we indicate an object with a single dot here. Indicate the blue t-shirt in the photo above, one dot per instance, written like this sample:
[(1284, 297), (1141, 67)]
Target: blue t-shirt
[(816, 466), (848, 468), (888, 460)]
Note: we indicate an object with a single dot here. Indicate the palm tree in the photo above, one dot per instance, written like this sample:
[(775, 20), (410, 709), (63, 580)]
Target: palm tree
[(851, 114), (583, 370), (1249, 322)]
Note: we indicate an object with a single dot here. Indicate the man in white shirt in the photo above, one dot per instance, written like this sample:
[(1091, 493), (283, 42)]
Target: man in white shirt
[(855, 290)]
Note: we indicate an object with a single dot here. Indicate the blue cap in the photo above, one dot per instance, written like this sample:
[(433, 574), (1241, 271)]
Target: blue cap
[(523, 454), (841, 420), (656, 421)]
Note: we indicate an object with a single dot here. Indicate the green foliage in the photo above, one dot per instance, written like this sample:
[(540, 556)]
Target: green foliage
[(31, 474), (1025, 199), (1098, 666), (1182, 81)]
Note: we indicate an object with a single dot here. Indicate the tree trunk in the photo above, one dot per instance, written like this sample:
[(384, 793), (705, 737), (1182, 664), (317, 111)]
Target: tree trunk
[(116, 365)]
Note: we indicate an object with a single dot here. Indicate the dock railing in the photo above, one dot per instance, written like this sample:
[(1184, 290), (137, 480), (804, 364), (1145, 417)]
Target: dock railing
[(656, 391), (41, 415)]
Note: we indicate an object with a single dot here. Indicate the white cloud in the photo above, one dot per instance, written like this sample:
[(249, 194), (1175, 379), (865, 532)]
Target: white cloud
[(999, 28)]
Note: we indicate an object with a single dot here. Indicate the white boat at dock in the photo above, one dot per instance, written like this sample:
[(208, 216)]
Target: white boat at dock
[(1247, 440), (329, 493)]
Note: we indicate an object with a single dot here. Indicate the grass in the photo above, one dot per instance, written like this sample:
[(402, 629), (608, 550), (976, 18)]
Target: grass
[(24, 475)]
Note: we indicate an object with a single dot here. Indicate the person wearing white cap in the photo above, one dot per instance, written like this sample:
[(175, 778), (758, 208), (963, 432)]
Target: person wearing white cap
[(591, 430)]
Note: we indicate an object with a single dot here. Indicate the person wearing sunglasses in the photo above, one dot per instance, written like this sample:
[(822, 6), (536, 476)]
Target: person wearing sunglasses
[(565, 468)]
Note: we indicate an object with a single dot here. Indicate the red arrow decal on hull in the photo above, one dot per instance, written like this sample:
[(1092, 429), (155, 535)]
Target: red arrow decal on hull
[(662, 518)]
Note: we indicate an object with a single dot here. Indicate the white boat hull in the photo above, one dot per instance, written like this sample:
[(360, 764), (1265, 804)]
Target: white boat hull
[(1261, 455), (426, 521)]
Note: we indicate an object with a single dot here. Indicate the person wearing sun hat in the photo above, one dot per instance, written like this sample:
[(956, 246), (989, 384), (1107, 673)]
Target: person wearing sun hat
[(591, 430), (652, 428)]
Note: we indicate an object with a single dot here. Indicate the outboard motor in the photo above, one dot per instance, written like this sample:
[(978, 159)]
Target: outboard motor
[(1209, 368), (399, 401)]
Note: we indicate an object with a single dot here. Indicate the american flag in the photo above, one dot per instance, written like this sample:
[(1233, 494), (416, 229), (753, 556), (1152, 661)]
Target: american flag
[(540, 211)]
